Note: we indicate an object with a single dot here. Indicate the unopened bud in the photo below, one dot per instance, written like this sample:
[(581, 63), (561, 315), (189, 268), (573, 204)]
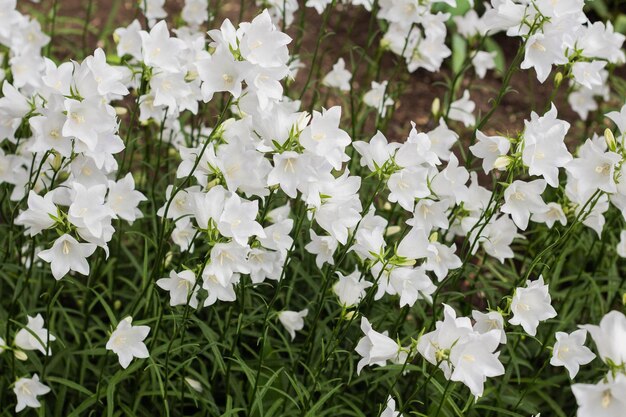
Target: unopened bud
[(435, 107), (195, 385), (502, 162), (558, 79), (387, 206), (624, 298), (117, 304), (433, 237), (121, 111), (168, 259), (191, 75), (610, 139), (20, 355), (349, 315), (56, 162), (392, 230)]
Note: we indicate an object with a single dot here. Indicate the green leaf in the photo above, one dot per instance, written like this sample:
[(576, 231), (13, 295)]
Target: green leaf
[(492, 46), (459, 52)]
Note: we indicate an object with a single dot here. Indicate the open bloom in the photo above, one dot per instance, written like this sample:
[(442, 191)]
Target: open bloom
[(126, 341), (531, 305), (349, 289), (523, 199), (607, 398), (474, 359), (67, 254), (570, 351), (179, 285), (27, 390)]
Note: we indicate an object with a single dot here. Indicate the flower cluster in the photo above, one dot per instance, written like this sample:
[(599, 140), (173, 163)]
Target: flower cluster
[(255, 190)]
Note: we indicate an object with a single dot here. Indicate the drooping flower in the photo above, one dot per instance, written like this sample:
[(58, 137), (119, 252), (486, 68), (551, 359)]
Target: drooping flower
[(610, 337), (350, 289), (27, 390), (34, 336), (375, 348), (293, 320)]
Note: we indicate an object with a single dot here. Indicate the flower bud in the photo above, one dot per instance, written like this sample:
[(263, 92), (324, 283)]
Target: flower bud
[(435, 107), (558, 79), (433, 237), (20, 355), (121, 111), (392, 230), (610, 139), (56, 162), (168, 259), (195, 385), (502, 162), (349, 314), (117, 304)]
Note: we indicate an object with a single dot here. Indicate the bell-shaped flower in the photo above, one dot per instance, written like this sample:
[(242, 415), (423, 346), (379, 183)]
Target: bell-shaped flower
[(610, 337), (594, 168), (338, 77), (375, 348), (376, 152), (179, 285), (350, 289), (27, 390), (39, 215), (67, 254), (542, 51), (607, 398), (390, 409), (293, 320), (489, 148), (127, 342), (238, 220), (124, 200), (462, 110), (408, 184), (34, 336), (323, 247), (378, 97), (323, 137), (217, 287), (544, 147), (435, 346), (474, 360), (486, 322), (570, 351), (159, 49), (531, 305), (522, 199)]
